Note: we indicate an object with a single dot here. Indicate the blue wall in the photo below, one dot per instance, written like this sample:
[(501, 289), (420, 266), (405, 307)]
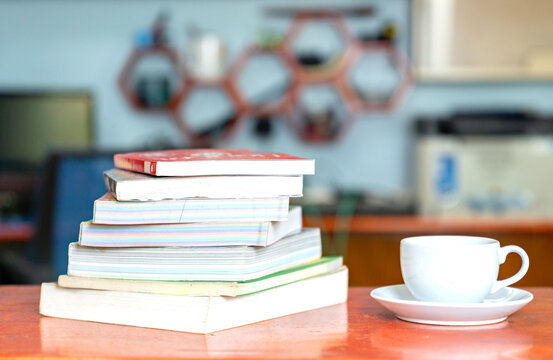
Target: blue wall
[(83, 45)]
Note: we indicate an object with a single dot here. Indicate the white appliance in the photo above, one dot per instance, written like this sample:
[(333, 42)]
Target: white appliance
[(485, 166)]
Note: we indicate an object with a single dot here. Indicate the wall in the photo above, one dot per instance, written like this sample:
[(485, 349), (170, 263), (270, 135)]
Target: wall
[(83, 45)]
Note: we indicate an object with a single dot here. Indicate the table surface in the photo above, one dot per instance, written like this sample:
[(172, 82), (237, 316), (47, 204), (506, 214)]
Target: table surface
[(359, 329)]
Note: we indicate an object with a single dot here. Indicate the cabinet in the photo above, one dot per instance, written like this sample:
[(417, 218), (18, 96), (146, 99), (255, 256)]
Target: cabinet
[(371, 246)]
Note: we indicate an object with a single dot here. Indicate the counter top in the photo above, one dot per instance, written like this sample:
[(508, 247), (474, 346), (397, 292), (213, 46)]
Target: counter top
[(359, 329), (377, 224)]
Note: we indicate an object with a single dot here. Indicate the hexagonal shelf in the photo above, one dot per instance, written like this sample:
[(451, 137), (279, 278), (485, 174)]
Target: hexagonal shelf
[(207, 111), (321, 113), (151, 78), (318, 54), (320, 46), (374, 77), (378, 78), (263, 78)]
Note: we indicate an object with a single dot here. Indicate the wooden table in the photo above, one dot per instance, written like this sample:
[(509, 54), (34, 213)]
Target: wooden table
[(359, 329)]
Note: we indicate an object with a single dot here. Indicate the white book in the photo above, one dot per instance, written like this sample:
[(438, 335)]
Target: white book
[(196, 314), (130, 186), (195, 263)]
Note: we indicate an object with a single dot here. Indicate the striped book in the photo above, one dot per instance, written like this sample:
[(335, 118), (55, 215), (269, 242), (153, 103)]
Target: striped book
[(195, 263), (191, 234), (107, 210)]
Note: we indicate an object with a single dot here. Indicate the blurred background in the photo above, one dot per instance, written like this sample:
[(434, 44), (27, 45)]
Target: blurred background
[(424, 116)]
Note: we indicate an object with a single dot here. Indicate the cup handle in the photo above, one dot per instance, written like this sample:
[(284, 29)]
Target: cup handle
[(502, 255)]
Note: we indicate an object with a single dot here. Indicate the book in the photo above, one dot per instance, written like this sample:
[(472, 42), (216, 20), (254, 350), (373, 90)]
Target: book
[(201, 162), (191, 234), (107, 210), (129, 186), (196, 314), (195, 263), (207, 288)]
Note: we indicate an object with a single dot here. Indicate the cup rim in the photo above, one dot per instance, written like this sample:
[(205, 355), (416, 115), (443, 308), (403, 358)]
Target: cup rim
[(449, 240)]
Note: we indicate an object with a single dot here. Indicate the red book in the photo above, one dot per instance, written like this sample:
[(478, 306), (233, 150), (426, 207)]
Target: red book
[(200, 162)]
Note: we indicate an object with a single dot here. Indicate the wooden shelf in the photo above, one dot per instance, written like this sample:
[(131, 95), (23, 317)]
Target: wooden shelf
[(405, 224), (336, 75), (482, 75), (124, 78), (16, 232)]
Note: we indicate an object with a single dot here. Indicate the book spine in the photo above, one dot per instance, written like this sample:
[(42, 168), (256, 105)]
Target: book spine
[(111, 185), (147, 167)]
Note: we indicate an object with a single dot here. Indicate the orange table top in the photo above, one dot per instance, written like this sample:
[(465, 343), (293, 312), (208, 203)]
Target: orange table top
[(359, 329)]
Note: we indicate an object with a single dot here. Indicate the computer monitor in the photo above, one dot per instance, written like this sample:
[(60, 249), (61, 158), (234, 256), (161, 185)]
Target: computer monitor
[(33, 125), (36, 123)]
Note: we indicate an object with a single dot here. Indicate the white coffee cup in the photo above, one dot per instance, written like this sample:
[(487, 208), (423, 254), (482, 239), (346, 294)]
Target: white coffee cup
[(461, 269)]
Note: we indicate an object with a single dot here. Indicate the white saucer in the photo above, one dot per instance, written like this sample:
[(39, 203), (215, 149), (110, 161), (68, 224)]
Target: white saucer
[(493, 309)]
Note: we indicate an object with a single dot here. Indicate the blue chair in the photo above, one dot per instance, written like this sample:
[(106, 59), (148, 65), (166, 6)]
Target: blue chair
[(71, 183)]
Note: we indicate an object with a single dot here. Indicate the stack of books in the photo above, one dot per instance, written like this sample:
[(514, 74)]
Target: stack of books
[(198, 241)]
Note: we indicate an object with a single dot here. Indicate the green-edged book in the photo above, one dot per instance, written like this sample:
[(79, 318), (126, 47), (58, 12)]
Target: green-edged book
[(207, 288), (197, 314)]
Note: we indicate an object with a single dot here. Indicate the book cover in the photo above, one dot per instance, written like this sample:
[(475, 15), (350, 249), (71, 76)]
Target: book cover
[(207, 288), (195, 263), (130, 186), (107, 210), (201, 162), (191, 234), (197, 314)]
